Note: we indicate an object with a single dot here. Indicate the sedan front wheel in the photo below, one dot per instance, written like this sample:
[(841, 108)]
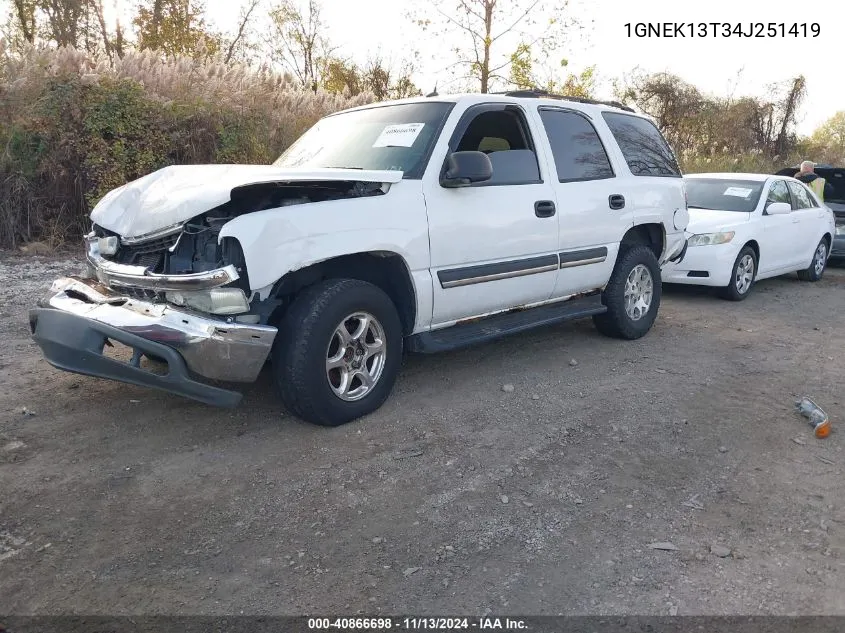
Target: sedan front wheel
[(743, 275)]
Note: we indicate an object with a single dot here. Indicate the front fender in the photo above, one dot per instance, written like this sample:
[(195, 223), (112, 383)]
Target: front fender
[(278, 241)]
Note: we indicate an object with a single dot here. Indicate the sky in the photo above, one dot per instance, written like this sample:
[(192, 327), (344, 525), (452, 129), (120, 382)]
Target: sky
[(719, 66)]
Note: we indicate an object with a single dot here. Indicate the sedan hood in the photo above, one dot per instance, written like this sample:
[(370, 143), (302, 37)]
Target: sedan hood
[(175, 194), (709, 221)]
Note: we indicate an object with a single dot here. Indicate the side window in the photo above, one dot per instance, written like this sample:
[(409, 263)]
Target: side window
[(643, 146), (576, 146), (778, 193), (503, 135), (801, 196)]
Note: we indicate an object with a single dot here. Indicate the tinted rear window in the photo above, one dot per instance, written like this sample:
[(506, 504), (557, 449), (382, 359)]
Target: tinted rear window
[(643, 146), (578, 151)]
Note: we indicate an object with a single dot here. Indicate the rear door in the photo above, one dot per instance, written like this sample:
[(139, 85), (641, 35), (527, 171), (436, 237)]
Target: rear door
[(591, 222), (807, 219)]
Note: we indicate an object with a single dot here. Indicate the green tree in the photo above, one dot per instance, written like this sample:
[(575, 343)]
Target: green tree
[(296, 41), (522, 76), (482, 29), (176, 27), (829, 137)]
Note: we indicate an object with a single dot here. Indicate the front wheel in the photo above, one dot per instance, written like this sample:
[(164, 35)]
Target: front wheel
[(743, 275), (632, 295), (817, 266), (338, 352)]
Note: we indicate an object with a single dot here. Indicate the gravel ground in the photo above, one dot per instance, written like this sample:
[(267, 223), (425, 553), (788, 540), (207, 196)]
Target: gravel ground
[(459, 495)]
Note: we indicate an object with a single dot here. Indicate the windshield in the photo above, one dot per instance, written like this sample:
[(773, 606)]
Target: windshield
[(722, 194), (396, 137)]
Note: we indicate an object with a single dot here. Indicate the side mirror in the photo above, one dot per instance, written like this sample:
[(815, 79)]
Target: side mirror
[(778, 208), (465, 168)]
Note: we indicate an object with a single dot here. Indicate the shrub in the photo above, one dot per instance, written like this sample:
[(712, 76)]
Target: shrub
[(74, 127)]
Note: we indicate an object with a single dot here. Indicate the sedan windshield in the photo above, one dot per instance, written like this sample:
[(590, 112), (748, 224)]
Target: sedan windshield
[(722, 194), (396, 137)]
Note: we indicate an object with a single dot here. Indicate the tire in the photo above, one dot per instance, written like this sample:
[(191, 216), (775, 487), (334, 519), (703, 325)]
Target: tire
[(309, 339), (816, 269), (617, 322), (740, 285)]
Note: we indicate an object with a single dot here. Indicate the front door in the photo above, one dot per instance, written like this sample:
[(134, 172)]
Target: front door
[(777, 241), (493, 244)]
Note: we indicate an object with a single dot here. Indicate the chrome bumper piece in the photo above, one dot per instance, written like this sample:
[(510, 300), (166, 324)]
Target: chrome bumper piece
[(116, 275), (73, 323)]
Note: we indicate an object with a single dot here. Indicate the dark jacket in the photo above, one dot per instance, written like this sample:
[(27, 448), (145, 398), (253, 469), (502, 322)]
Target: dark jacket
[(808, 178)]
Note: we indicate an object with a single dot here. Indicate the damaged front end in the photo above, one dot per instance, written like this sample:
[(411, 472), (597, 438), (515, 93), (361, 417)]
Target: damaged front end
[(177, 297)]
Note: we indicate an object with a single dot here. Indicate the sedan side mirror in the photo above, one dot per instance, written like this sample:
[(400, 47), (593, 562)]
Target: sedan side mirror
[(465, 168), (778, 208)]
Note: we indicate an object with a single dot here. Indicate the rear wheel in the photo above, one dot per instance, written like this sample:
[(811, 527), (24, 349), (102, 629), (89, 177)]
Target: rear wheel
[(743, 275), (817, 266), (632, 295), (338, 352)]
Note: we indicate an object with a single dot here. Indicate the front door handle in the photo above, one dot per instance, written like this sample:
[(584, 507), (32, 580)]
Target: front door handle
[(616, 201), (544, 208)]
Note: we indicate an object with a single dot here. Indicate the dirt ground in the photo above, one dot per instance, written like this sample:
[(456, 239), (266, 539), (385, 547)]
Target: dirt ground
[(457, 497)]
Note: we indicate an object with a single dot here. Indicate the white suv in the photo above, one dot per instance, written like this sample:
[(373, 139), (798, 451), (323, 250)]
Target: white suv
[(424, 225)]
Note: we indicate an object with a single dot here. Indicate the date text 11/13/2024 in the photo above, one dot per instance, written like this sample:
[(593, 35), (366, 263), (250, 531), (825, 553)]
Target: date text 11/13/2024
[(416, 624), (722, 29)]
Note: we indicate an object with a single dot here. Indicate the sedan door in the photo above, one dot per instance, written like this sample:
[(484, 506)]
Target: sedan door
[(808, 216), (777, 240)]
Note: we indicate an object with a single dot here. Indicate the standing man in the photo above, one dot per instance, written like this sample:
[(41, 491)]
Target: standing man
[(816, 183)]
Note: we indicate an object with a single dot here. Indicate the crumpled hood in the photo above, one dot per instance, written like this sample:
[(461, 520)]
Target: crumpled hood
[(708, 221), (175, 194)]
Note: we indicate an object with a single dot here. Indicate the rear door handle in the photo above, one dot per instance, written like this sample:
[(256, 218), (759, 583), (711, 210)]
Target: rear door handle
[(616, 201), (544, 208)]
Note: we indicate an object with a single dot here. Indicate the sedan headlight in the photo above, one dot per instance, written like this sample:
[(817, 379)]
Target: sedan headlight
[(214, 301), (840, 229), (710, 239)]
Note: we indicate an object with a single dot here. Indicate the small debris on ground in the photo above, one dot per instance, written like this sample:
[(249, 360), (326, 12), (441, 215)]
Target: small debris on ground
[(504, 498), (798, 440), (410, 571), (665, 546), (573, 363), (508, 388), (720, 550), (723, 449), (27, 412), (410, 453)]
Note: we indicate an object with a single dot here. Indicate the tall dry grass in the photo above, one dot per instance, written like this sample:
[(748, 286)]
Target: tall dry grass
[(73, 126)]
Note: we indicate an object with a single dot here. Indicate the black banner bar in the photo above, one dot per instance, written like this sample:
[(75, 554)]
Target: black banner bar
[(359, 624)]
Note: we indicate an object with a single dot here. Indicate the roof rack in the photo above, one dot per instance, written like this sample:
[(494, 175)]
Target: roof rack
[(544, 94)]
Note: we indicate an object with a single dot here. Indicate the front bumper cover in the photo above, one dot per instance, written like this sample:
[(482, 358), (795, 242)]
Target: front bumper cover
[(73, 323)]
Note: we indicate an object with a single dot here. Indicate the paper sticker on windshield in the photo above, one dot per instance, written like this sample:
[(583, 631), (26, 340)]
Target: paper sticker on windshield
[(739, 192), (399, 135)]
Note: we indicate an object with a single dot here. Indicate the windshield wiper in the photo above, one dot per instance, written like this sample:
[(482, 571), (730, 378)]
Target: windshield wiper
[(336, 167), (692, 206)]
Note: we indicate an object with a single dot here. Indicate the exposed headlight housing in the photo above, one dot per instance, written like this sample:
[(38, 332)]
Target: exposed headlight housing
[(711, 239), (214, 301), (108, 245)]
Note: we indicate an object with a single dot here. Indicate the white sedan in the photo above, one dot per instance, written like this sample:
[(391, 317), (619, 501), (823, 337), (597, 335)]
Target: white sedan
[(747, 227)]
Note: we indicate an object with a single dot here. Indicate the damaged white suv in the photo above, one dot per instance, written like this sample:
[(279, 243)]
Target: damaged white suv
[(422, 225)]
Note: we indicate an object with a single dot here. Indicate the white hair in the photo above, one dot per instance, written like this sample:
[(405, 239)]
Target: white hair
[(807, 165)]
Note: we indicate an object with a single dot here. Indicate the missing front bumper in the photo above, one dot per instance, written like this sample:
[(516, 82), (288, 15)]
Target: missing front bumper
[(74, 322)]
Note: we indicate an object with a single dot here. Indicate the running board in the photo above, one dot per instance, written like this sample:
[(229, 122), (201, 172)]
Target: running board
[(503, 324)]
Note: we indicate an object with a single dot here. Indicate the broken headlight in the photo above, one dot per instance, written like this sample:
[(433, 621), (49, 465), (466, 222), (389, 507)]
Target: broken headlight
[(214, 301)]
